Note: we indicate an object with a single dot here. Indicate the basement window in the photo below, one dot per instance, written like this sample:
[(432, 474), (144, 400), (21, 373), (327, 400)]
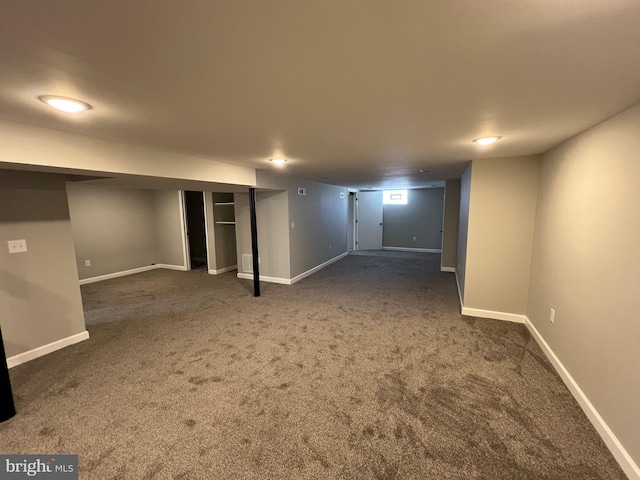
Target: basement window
[(394, 197)]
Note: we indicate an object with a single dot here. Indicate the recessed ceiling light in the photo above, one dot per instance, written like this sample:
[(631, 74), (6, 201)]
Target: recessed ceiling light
[(278, 161), (68, 105), (486, 140)]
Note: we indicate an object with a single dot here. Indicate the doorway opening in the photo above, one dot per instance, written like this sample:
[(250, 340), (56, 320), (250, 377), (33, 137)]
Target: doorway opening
[(351, 222), (369, 220), (196, 230)]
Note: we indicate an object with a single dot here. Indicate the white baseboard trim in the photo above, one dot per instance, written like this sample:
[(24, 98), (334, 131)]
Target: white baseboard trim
[(45, 349), (448, 269), (223, 270), (459, 292), (509, 317), (407, 249), (477, 312), (124, 273), (621, 455), (263, 278), (297, 278), (181, 268)]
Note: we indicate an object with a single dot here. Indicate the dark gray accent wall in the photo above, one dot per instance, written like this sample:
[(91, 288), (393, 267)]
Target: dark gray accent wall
[(420, 218)]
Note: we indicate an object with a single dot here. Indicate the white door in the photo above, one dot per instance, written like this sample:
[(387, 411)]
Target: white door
[(369, 221)]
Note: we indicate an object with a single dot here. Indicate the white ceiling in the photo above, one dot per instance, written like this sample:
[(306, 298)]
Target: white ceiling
[(360, 93)]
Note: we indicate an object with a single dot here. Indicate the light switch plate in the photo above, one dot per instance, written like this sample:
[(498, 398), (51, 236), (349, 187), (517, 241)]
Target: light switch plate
[(17, 246)]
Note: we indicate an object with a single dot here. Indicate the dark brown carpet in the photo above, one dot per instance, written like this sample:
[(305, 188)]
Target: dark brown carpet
[(365, 370)]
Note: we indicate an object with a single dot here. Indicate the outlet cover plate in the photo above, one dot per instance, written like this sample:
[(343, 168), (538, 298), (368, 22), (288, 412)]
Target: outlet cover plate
[(17, 246)]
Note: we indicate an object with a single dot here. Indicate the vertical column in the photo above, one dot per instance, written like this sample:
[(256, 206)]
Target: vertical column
[(7, 408), (254, 242)]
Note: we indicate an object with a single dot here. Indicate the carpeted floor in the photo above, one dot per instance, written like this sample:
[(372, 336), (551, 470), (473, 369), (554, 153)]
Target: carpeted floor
[(365, 370)]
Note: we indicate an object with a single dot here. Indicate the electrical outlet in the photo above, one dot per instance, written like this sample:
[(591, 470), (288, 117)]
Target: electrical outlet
[(414, 239), (552, 315), (293, 224), (330, 247), (87, 263), (17, 246)]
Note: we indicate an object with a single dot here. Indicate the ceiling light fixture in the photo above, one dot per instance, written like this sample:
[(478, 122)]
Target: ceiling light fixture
[(278, 161), (484, 141), (424, 170), (68, 105)]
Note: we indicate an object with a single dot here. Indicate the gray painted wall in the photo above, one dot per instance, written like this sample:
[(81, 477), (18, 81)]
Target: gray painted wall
[(421, 218), (40, 299), (114, 228), (585, 265), (500, 233), (272, 212), (319, 220), (450, 223), (463, 228), (168, 227)]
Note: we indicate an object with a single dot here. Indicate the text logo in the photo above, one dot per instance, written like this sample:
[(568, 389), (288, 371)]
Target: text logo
[(51, 467)]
